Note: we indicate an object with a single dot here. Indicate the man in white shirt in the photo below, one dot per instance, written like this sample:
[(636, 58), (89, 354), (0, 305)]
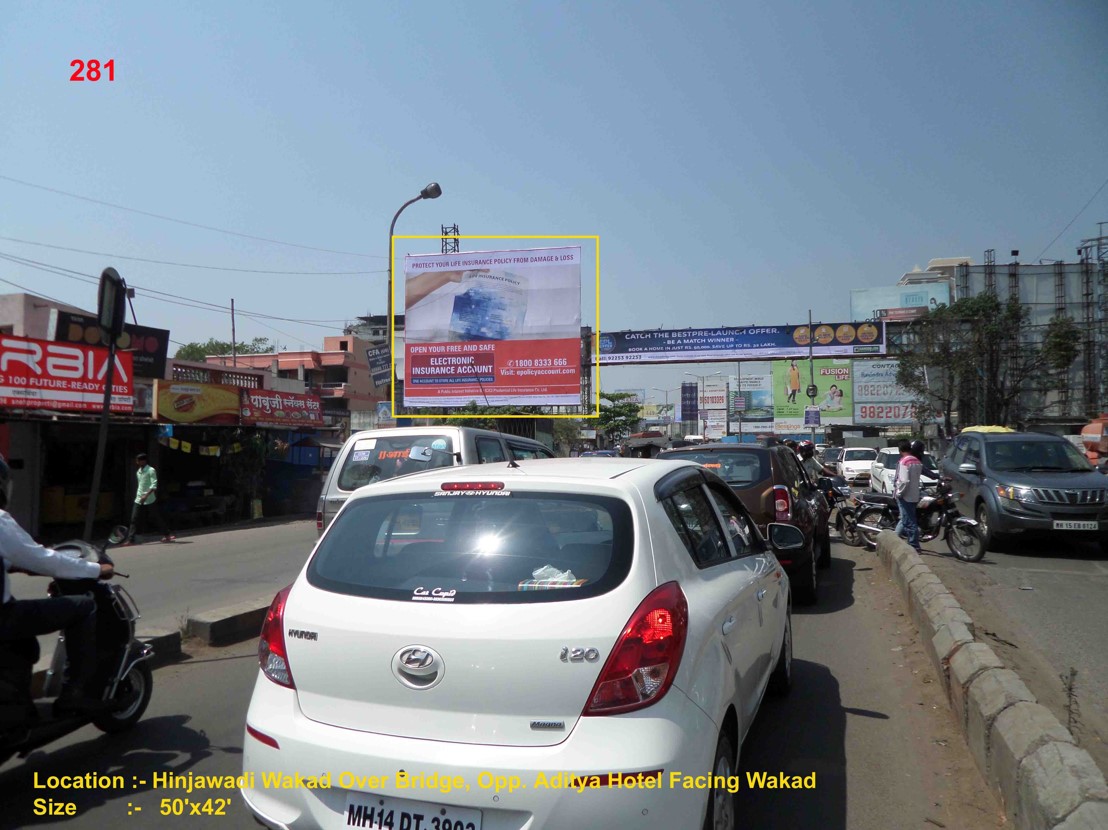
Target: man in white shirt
[(20, 619)]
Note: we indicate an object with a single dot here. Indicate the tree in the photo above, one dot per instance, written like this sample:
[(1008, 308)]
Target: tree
[(978, 354), (198, 351), (620, 417), (567, 433), (484, 416)]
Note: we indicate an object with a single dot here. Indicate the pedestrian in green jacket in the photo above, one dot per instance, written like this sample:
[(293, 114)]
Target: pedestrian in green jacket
[(146, 502)]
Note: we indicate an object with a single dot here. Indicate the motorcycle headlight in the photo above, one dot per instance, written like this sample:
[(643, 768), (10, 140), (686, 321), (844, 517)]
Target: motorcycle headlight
[(843, 490), (1006, 491)]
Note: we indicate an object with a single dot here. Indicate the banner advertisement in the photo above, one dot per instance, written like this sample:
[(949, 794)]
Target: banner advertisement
[(878, 398), (751, 343), (196, 403), (43, 374), (713, 424), (757, 392), (148, 346), (713, 395), (502, 327), (834, 395), (380, 365), (689, 393), (280, 410), (898, 303)]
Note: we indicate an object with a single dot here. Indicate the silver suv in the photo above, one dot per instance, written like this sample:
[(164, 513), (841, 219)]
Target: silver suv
[(1017, 482)]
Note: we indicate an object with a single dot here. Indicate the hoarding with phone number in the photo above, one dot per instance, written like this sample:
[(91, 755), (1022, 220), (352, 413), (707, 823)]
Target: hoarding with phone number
[(496, 327), (878, 398)]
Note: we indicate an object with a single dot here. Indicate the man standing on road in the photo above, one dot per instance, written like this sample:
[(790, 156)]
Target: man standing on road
[(906, 490), (146, 496)]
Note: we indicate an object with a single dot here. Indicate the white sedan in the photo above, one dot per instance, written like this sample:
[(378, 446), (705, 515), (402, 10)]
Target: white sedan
[(561, 644), (854, 464), (883, 470)]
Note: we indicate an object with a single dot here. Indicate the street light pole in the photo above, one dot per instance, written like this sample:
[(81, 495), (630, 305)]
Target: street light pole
[(432, 191)]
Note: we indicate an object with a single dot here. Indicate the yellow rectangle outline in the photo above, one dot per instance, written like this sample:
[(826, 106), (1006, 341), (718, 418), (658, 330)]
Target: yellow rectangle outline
[(392, 323)]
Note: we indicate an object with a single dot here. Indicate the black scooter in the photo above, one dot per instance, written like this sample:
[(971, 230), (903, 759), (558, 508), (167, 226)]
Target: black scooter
[(122, 673)]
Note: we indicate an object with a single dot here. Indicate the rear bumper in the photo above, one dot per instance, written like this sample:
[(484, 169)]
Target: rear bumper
[(514, 787)]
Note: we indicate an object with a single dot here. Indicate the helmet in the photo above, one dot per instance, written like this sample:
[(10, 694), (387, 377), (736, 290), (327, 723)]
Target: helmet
[(5, 482), (917, 449), (806, 449)]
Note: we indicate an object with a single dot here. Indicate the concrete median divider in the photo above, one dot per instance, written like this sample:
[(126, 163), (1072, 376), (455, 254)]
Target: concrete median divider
[(230, 624), (1031, 761)]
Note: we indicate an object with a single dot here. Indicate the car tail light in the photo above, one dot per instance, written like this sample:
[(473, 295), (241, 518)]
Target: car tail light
[(641, 667), (272, 655), (782, 503), (473, 485), (319, 520)]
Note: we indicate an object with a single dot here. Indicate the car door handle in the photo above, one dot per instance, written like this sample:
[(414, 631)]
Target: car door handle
[(760, 594), (728, 624)]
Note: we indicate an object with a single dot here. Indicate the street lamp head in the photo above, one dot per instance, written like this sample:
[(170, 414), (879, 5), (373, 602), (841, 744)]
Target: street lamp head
[(432, 191)]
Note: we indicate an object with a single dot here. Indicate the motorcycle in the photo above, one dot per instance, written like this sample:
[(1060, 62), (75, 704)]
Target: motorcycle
[(937, 514), (841, 499), (122, 674)]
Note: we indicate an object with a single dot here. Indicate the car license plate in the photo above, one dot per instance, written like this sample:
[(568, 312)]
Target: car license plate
[(383, 813), (1060, 525)]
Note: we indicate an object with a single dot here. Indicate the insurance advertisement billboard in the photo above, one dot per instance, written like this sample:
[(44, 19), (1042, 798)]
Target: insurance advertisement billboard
[(750, 343), (898, 302), (833, 379), (502, 327), (878, 398), (70, 377)]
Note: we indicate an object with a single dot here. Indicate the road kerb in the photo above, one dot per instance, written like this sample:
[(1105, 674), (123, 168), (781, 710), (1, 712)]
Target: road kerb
[(1054, 781), (1044, 781), (230, 624), (166, 644)]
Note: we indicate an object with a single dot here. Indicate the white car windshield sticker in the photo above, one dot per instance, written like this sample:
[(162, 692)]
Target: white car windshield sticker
[(422, 594), (361, 455), (365, 443)]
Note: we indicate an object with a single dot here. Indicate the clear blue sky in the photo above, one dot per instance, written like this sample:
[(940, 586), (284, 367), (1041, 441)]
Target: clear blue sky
[(741, 162)]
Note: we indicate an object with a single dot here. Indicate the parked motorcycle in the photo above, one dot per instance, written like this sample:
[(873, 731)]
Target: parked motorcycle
[(937, 513), (843, 504), (122, 674)]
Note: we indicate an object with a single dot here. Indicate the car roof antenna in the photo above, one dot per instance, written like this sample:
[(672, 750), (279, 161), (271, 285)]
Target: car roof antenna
[(512, 465)]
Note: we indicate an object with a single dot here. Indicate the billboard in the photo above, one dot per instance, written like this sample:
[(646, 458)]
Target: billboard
[(750, 343), (878, 398), (380, 364), (44, 374), (834, 393), (196, 403), (279, 410), (148, 346), (756, 390), (496, 326), (689, 410), (899, 302)]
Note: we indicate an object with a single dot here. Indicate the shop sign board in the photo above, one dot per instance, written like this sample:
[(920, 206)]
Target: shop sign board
[(280, 410), (148, 346), (196, 403), (43, 374)]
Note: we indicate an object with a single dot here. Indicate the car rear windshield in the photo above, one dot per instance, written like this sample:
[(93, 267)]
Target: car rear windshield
[(1036, 456), (739, 468), (476, 548), (859, 455), (374, 459)]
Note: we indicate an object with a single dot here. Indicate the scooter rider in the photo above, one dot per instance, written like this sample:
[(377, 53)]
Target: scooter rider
[(27, 618), (806, 452)]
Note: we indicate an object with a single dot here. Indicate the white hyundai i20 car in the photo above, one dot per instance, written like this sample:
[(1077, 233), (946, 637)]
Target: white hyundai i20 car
[(549, 644)]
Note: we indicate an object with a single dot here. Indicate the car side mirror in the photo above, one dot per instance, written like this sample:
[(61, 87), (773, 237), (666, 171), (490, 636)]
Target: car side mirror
[(967, 468), (785, 537), (420, 453)]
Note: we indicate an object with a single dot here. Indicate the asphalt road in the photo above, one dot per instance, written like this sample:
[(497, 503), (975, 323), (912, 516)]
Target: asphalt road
[(1043, 607), (867, 715)]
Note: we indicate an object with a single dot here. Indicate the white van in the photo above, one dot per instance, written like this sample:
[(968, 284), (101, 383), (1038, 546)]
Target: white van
[(377, 454)]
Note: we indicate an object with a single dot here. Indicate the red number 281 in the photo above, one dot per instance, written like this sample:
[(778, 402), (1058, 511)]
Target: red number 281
[(91, 71)]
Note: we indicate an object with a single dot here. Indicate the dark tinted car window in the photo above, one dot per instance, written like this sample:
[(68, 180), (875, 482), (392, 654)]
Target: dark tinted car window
[(695, 522), (526, 547), (489, 450), (1035, 456), (744, 539), (522, 451), (739, 468)]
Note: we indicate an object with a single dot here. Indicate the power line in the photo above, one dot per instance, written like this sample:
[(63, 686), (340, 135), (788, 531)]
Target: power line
[(174, 299), (193, 265), (1074, 219), (36, 293), (185, 222)]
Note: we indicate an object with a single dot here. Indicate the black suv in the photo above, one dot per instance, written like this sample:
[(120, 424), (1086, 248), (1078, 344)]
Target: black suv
[(1017, 482), (773, 487)]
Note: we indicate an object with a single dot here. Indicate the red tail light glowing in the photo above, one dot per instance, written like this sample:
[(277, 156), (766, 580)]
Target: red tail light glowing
[(782, 503), (644, 662), (272, 655), (319, 520)]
